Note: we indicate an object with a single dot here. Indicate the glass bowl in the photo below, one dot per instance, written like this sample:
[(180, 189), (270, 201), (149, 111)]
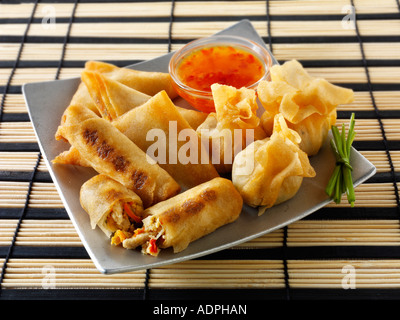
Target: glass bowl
[(201, 99)]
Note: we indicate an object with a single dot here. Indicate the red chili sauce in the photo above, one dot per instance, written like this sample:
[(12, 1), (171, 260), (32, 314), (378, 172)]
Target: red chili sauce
[(226, 65)]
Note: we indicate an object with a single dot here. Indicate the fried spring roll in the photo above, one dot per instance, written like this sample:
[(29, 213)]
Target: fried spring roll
[(147, 82), (187, 217), (73, 114), (71, 157), (82, 98), (151, 116), (111, 153), (110, 205), (193, 117), (185, 158), (112, 98)]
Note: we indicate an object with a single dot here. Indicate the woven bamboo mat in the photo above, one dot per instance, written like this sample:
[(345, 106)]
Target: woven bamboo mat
[(313, 258)]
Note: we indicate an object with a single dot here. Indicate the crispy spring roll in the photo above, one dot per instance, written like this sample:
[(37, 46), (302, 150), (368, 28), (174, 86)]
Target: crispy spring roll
[(110, 205), (193, 117), (111, 153), (112, 98), (73, 114), (82, 98), (147, 82), (178, 147), (187, 217), (128, 124), (71, 157)]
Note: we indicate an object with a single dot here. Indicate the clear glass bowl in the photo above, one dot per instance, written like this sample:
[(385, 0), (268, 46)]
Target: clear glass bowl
[(202, 100)]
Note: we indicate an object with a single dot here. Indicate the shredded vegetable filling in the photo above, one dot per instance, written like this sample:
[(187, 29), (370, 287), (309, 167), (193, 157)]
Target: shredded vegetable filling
[(148, 239)]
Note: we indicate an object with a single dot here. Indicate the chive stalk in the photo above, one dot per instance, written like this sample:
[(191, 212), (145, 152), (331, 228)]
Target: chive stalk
[(341, 180)]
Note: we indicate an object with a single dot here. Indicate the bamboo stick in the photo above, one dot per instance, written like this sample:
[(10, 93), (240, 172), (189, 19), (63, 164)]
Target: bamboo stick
[(305, 233), (196, 29), (79, 51), (198, 8), (209, 274)]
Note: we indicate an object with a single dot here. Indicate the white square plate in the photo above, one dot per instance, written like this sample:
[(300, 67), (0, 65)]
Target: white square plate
[(46, 102)]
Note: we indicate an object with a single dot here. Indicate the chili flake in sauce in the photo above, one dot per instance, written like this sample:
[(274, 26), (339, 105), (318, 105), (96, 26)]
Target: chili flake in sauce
[(227, 65)]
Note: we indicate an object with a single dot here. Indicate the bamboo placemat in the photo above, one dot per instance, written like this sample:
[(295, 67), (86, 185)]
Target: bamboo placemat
[(41, 255)]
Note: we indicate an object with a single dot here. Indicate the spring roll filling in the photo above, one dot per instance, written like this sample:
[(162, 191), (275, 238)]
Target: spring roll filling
[(123, 217), (149, 237)]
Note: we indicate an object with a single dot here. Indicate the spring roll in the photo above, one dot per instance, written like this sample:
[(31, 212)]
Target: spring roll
[(111, 153), (178, 148), (149, 116), (82, 98), (110, 205), (112, 98), (74, 113), (193, 117), (187, 217), (71, 157), (147, 82)]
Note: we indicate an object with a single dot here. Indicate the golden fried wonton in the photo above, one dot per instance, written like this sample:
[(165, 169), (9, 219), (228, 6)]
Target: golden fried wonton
[(233, 124), (270, 171), (308, 104)]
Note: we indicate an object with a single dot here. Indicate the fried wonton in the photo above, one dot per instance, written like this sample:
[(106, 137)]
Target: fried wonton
[(308, 104), (233, 125), (271, 171)]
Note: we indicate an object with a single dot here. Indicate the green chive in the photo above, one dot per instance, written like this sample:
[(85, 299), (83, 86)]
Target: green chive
[(344, 143), (349, 186), (332, 181), (341, 180)]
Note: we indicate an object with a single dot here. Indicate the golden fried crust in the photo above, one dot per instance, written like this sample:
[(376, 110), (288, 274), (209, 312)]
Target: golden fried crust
[(71, 157), (308, 104), (195, 212), (111, 153), (111, 97), (160, 113), (99, 194), (278, 171), (147, 82)]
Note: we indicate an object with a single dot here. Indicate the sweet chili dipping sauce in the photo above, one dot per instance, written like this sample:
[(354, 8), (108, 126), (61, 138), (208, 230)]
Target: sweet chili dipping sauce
[(231, 61), (226, 65)]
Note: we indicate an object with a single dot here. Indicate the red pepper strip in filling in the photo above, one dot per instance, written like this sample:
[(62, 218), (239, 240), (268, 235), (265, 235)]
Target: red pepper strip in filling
[(153, 246), (130, 213)]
